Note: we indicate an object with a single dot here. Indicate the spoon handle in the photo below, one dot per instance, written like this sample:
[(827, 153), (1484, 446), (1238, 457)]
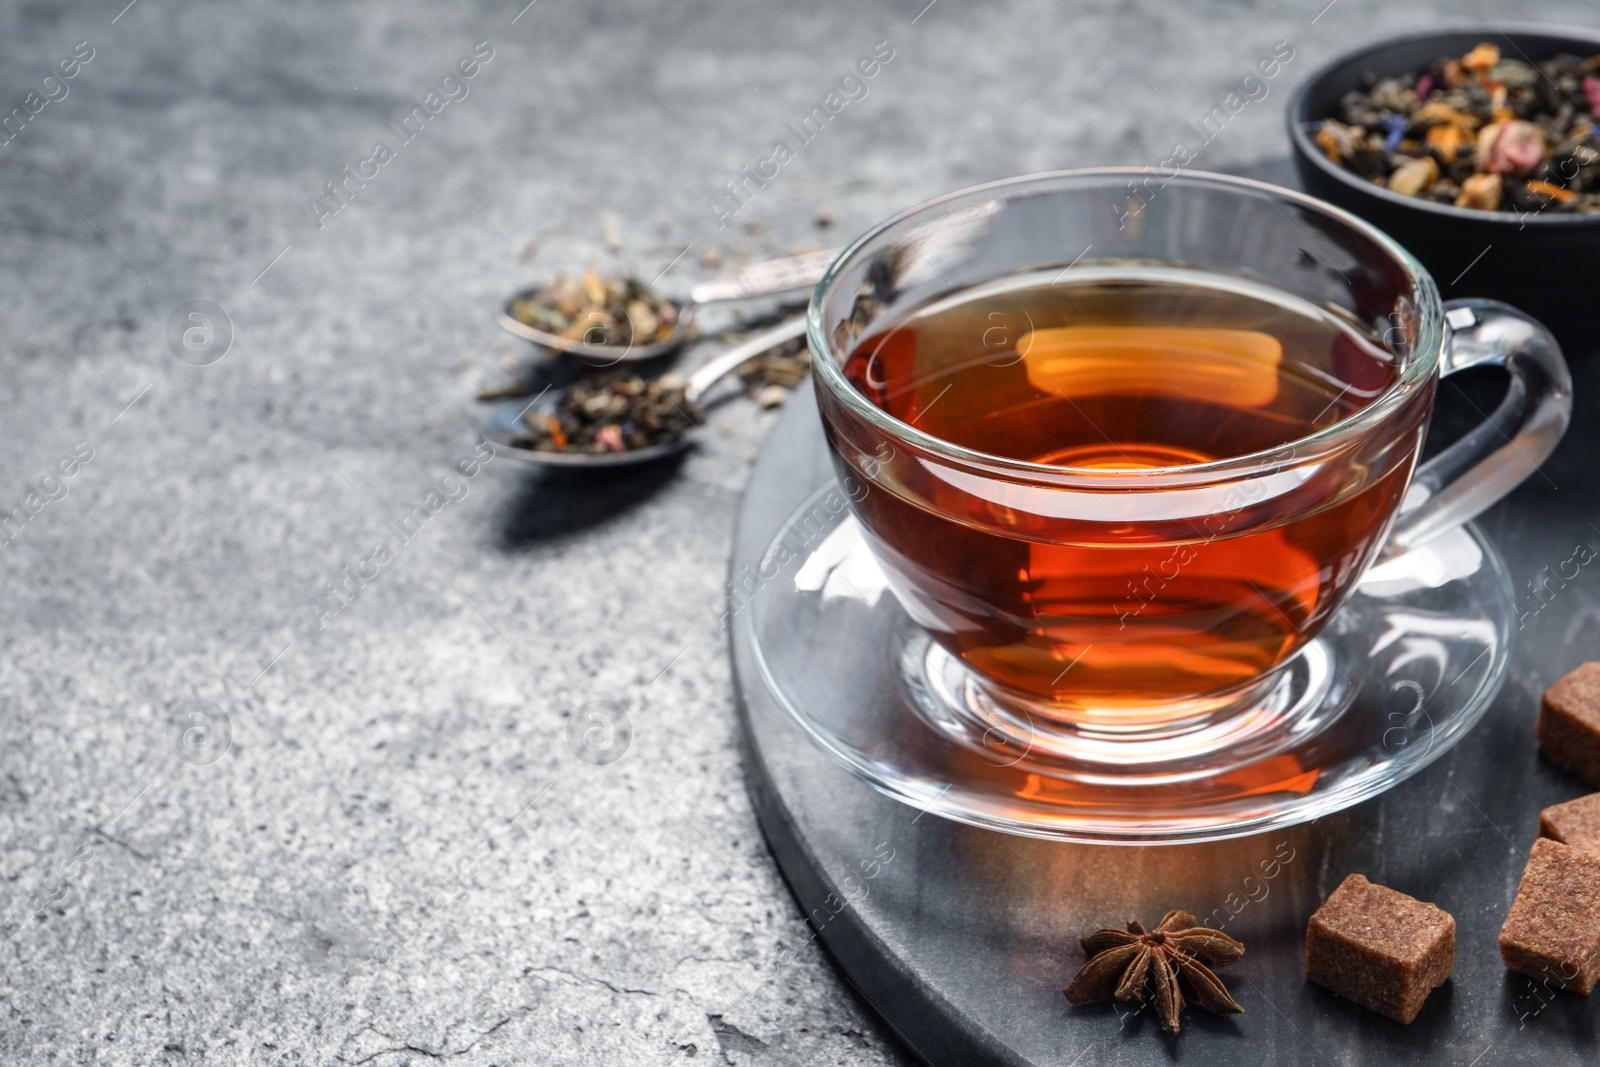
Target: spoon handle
[(740, 354), (766, 279)]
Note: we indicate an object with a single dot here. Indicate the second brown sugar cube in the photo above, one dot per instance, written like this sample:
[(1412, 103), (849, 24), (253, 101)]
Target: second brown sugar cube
[(1380, 948), (1553, 931), (1575, 823), (1569, 723)]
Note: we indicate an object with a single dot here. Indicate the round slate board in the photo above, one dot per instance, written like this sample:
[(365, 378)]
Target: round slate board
[(961, 939)]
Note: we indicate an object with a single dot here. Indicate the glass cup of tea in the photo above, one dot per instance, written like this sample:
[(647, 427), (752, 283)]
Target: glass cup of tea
[(1122, 442)]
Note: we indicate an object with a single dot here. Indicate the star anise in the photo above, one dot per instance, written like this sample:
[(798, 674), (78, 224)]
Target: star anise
[(1176, 957)]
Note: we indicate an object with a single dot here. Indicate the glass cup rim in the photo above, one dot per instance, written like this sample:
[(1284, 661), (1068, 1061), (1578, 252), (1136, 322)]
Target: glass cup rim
[(1426, 352)]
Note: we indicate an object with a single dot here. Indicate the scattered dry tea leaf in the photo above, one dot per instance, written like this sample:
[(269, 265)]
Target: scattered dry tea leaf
[(768, 378)]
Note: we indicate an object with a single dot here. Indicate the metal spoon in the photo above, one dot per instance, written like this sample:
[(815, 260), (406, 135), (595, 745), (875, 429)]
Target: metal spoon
[(504, 427), (760, 279)]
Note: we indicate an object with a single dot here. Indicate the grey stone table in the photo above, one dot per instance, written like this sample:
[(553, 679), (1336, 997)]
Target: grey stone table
[(486, 805)]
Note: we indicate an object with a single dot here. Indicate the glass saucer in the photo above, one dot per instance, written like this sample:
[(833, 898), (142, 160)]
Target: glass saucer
[(1402, 671)]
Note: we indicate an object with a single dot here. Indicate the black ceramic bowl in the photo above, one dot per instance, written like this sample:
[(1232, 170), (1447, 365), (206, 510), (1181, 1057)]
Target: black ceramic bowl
[(1546, 264)]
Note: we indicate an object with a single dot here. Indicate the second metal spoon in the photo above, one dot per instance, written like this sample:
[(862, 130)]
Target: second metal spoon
[(504, 426)]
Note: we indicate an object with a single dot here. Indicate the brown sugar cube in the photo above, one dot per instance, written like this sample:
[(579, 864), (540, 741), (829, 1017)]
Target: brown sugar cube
[(1575, 823), (1380, 948), (1569, 723), (1553, 931)]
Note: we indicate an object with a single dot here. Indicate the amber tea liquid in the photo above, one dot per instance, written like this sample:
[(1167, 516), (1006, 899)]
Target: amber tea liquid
[(1127, 599)]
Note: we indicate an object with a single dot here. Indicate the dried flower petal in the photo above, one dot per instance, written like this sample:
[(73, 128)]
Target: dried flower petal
[(1554, 192), (1337, 141), (1441, 113), (1395, 129), (1447, 139), (1481, 58), (610, 437), (1482, 191), (1516, 147)]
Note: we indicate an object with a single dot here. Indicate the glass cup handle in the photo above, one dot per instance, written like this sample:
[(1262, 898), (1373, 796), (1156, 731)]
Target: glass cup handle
[(1494, 458)]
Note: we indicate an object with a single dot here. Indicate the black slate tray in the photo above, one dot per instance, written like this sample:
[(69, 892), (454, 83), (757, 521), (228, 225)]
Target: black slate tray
[(961, 939)]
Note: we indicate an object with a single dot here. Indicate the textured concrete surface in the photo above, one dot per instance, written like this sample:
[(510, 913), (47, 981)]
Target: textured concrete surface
[(490, 810)]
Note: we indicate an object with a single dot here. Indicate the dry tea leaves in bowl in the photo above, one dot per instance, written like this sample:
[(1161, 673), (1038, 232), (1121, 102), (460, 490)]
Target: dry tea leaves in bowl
[(616, 310), (1481, 131), (617, 412)]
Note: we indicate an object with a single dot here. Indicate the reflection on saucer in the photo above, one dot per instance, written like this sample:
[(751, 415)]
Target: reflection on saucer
[(1452, 555), (843, 566)]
